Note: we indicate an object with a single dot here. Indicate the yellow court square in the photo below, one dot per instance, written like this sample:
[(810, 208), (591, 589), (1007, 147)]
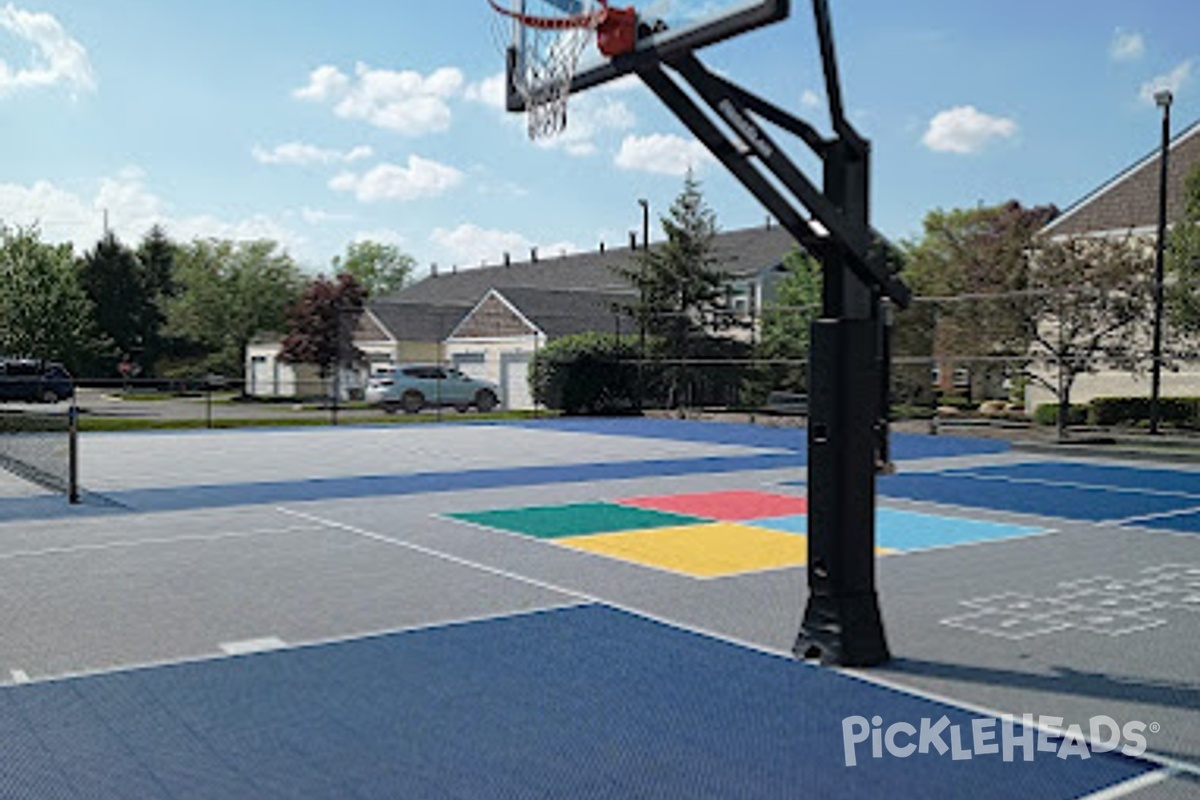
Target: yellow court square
[(709, 550)]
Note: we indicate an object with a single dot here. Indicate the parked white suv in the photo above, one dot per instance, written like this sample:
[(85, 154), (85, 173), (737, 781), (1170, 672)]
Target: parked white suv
[(412, 387)]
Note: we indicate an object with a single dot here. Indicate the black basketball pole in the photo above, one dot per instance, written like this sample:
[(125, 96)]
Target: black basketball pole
[(847, 427)]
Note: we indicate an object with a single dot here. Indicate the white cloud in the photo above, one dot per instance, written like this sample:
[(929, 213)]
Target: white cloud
[(1126, 46), (420, 178), (57, 57), (316, 216), (405, 102), (810, 99), (470, 244), (966, 130), (65, 215), (324, 83), (589, 116), (302, 154), (1173, 82), (380, 235), (664, 154), (491, 91)]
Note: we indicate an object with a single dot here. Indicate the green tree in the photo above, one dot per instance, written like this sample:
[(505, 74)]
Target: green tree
[(380, 269), (227, 293), (321, 324), (125, 303), (973, 261), (784, 330), (681, 293), (156, 254), (1087, 298), (44, 312), (1183, 261)]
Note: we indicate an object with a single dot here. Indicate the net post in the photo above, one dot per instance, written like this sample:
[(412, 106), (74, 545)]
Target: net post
[(73, 454)]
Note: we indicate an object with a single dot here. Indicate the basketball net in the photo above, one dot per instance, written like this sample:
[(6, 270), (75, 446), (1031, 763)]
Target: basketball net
[(548, 48)]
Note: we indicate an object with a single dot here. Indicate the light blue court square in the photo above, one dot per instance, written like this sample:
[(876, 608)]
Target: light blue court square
[(792, 523), (910, 530)]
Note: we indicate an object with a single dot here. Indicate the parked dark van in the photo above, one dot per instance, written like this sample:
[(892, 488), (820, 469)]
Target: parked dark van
[(34, 381)]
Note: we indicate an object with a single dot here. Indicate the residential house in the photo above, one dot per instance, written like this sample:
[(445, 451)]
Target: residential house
[(1128, 205), (490, 321)]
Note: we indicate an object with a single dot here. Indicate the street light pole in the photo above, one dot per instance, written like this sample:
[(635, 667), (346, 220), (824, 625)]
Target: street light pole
[(1163, 100)]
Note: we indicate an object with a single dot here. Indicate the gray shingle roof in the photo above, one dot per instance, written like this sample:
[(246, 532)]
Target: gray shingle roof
[(1130, 200), (561, 295), (740, 253), (562, 313), (419, 322)]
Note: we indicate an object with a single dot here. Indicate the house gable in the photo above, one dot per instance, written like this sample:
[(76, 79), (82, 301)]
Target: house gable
[(1129, 202), (494, 318)]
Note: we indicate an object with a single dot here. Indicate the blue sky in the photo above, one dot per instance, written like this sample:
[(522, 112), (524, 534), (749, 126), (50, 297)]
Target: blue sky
[(316, 122)]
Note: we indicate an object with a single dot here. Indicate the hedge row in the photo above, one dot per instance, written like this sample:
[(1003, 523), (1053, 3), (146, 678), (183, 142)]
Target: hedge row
[(1181, 412)]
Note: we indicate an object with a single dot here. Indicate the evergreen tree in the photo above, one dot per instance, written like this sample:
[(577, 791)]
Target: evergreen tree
[(156, 255), (681, 293), (124, 307)]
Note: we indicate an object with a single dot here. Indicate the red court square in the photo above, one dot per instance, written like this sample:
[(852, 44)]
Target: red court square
[(731, 506)]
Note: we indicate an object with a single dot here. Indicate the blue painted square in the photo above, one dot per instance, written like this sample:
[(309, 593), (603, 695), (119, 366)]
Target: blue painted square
[(909, 530), (792, 523)]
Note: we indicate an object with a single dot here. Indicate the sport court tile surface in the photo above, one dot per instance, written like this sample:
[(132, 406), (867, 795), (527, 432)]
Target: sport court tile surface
[(582, 702), (1093, 503), (730, 506), (719, 534), (710, 550)]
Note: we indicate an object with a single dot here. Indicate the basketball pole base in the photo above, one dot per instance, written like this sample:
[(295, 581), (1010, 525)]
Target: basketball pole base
[(842, 624), (843, 631)]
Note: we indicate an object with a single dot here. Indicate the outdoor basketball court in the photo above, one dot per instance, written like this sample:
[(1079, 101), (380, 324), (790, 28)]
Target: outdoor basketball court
[(582, 609)]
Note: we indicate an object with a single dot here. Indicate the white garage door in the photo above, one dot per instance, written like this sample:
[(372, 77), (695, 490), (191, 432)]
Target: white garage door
[(514, 381)]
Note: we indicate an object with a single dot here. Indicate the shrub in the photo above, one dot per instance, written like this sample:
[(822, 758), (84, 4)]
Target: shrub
[(1180, 411), (588, 373), (1047, 414)]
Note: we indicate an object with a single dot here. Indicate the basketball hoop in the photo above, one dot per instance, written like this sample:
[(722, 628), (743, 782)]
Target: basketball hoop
[(547, 48)]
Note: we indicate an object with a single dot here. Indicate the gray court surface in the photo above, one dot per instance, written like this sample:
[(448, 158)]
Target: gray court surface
[(197, 547)]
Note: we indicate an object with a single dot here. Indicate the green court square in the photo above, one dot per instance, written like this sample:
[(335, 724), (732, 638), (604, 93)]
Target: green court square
[(577, 519)]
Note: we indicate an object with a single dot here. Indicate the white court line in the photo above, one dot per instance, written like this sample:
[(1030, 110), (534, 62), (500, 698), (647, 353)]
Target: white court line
[(247, 647), (1133, 785), (1148, 756), (1173, 766), (130, 543), (581, 596), (1181, 512), (205, 658), (1070, 484)]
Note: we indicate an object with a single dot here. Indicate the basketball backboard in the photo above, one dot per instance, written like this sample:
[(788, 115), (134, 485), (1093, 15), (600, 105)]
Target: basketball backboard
[(665, 28)]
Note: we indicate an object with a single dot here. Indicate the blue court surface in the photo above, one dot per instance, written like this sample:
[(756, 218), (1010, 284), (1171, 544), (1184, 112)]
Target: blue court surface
[(578, 702), (1152, 497), (320, 613)]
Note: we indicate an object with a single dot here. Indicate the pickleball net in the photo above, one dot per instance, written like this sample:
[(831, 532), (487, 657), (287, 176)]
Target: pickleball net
[(42, 447)]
